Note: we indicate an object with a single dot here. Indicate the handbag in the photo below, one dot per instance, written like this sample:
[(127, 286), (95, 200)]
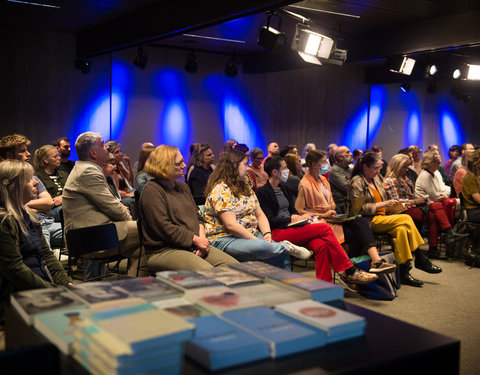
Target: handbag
[(386, 286)]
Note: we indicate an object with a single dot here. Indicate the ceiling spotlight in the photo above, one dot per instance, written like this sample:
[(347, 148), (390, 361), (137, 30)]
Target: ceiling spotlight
[(270, 38), (473, 72), (403, 65), (83, 65), (141, 59), (231, 68), (405, 86), (191, 62), (432, 70), (311, 46)]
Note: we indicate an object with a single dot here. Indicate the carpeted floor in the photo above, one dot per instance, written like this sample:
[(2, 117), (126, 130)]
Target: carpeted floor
[(448, 303)]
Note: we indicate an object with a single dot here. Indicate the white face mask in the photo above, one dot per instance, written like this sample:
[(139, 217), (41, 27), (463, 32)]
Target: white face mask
[(284, 176)]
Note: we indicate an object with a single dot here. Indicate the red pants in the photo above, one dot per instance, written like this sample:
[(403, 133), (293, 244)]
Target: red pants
[(437, 218), (319, 238)]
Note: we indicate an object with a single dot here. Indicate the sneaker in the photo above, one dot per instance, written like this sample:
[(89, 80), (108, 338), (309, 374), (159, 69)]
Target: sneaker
[(297, 251), (350, 287), (358, 277), (382, 267)]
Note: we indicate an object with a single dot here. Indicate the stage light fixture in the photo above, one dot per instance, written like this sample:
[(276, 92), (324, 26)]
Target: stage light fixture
[(432, 70), (473, 72), (403, 65), (231, 68), (191, 62), (83, 65), (270, 38), (141, 59), (310, 45), (405, 86)]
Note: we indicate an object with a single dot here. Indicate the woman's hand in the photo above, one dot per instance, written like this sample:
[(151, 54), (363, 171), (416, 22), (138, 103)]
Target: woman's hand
[(441, 198), (267, 237), (295, 218), (201, 253), (389, 203), (126, 159), (200, 243)]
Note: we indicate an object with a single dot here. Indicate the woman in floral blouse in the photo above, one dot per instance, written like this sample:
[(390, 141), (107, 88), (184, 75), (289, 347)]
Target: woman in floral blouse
[(399, 187), (234, 221)]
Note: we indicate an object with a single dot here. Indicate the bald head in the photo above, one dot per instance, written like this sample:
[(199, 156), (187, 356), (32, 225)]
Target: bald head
[(343, 156), (273, 149)]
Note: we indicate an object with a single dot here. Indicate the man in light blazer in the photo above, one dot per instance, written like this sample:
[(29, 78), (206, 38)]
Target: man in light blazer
[(87, 201)]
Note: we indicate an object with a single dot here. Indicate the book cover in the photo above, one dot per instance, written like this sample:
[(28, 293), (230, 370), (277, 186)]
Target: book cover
[(187, 279), (99, 291), (219, 299), (147, 287), (137, 328), (270, 294), (218, 344), (283, 335), (58, 326), (229, 276), (298, 223), (30, 302), (257, 268), (182, 308), (330, 319)]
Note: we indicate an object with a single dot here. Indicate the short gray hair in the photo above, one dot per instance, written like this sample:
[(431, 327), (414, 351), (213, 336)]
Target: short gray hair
[(84, 143)]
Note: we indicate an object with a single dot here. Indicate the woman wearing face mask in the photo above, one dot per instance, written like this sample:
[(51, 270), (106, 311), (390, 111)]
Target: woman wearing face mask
[(277, 204)]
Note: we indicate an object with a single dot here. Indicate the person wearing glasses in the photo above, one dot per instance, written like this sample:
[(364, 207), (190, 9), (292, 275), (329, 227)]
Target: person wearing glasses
[(174, 235), (367, 183), (257, 174)]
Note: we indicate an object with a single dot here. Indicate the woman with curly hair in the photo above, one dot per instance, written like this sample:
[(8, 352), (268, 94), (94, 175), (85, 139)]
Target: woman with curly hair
[(234, 221)]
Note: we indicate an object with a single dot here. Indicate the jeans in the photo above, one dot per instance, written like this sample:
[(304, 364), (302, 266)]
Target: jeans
[(242, 249), (93, 268), (52, 232), (55, 213)]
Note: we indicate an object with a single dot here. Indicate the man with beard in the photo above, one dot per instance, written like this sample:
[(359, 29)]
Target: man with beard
[(339, 176), (63, 146)]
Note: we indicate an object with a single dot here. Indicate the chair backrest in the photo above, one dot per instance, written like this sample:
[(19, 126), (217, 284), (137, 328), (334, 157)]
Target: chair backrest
[(133, 207), (92, 239)]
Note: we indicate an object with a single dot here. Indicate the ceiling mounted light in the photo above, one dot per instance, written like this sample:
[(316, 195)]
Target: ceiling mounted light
[(141, 59), (231, 68), (83, 65), (473, 72), (432, 70), (311, 46), (403, 65), (191, 62), (405, 86), (270, 38)]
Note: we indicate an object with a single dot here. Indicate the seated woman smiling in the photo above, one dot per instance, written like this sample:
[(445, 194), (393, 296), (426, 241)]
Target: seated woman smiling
[(173, 230), (234, 221), (26, 261)]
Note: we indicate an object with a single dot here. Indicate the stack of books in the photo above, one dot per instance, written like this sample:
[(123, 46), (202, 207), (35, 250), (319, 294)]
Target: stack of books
[(219, 318)]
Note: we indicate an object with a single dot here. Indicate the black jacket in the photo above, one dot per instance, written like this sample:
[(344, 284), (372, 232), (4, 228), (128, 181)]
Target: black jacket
[(269, 204)]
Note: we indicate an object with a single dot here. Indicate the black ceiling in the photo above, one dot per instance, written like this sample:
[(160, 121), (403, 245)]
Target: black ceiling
[(370, 30)]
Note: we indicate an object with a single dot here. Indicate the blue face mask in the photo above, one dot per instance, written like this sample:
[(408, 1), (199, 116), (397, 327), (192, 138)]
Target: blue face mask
[(324, 169)]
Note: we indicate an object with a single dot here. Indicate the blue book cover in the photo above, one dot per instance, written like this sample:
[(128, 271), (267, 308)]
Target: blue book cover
[(283, 335), (187, 279), (218, 344), (58, 326)]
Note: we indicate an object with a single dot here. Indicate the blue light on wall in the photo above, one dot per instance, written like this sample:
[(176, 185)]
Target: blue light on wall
[(121, 82), (450, 129), (413, 125), (355, 131)]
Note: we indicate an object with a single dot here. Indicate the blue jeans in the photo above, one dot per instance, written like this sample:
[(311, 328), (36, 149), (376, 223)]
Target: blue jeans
[(55, 213), (93, 268), (52, 232), (241, 249)]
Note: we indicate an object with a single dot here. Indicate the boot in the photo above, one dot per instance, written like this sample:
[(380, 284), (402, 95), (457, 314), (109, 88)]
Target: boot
[(422, 263), (406, 278), (434, 253), (452, 236)]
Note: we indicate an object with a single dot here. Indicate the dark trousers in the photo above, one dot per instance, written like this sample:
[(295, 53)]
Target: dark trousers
[(358, 236), (474, 215)]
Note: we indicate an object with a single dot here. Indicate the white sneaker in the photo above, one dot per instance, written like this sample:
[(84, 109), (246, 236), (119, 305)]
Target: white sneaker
[(297, 251)]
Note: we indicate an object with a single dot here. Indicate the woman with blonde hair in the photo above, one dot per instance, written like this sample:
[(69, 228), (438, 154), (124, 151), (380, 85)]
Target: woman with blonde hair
[(234, 221), (26, 261), (400, 188), (47, 162), (368, 185), (174, 235)]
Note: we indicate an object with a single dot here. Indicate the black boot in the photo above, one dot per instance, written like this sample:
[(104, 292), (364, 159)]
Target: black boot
[(452, 236), (422, 263), (406, 278), (434, 253)]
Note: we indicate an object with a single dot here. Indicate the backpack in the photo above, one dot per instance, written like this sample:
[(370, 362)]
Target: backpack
[(386, 286)]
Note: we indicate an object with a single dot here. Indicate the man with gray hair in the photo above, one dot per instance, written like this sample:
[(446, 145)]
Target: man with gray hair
[(339, 176), (87, 200)]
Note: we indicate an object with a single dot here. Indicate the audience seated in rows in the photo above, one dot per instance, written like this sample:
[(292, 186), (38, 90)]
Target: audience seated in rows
[(277, 204), (26, 261), (203, 167), (459, 174), (234, 221), (295, 174), (257, 175), (173, 230), (453, 154), (63, 147), (123, 173), (339, 176), (88, 201), (272, 149), (367, 184), (458, 162)]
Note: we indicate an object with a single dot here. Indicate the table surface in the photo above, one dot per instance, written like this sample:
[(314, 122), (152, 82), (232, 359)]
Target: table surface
[(390, 346)]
